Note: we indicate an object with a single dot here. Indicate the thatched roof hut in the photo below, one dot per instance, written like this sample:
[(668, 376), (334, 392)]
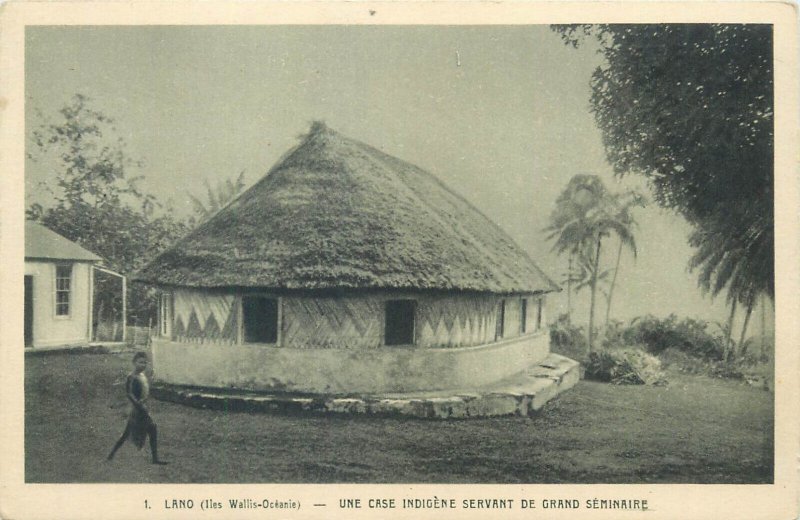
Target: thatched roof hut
[(342, 249), (337, 213)]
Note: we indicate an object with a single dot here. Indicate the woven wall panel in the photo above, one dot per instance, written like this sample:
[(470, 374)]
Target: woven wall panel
[(333, 322), (353, 322), (513, 317), (205, 317), (456, 321)]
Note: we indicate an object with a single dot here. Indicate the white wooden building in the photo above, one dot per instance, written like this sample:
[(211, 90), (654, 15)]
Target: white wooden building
[(59, 290)]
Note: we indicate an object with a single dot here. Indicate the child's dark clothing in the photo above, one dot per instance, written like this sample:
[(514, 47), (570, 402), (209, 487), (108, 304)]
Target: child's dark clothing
[(140, 424)]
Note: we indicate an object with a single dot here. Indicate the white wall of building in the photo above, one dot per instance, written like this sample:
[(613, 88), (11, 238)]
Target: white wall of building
[(48, 329)]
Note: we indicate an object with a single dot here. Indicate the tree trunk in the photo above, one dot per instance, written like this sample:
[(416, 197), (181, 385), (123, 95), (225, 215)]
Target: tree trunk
[(613, 282), (742, 347), (726, 354), (594, 295), (763, 326), (569, 292)]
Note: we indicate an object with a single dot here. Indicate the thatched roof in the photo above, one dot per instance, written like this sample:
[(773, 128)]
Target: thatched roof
[(336, 213), (43, 244)]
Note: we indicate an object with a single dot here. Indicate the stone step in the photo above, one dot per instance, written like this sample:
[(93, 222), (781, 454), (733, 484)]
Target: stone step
[(521, 395)]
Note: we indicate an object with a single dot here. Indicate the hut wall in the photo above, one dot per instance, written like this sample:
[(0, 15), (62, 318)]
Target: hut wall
[(456, 321), (544, 312), (342, 371), (342, 323), (352, 322), (530, 314), (357, 322), (513, 318), (533, 310), (204, 317)]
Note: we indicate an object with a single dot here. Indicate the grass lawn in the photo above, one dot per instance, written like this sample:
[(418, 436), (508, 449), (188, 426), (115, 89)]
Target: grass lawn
[(696, 430)]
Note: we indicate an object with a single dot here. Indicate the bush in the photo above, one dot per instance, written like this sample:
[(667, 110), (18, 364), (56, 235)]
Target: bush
[(634, 353), (749, 369), (624, 367), (613, 335), (567, 339), (688, 335)]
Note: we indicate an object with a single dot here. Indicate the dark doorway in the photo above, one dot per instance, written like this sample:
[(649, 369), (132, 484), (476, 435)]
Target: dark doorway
[(28, 311), (501, 320), (260, 319), (399, 322)]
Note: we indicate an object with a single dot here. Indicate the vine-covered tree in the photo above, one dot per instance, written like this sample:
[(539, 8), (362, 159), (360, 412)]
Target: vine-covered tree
[(690, 107), (94, 199)]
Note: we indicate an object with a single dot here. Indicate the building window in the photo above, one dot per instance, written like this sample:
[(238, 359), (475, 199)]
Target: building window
[(399, 322), (166, 312), (501, 319), (63, 289), (523, 316), (539, 314), (260, 319)]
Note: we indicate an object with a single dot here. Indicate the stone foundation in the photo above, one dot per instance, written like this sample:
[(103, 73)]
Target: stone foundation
[(521, 395), (341, 371)]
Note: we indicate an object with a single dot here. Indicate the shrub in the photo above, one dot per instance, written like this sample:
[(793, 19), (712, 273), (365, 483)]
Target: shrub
[(614, 335), (624, 367), (688, 335), (567, 339), (752, 370), (605, 367)]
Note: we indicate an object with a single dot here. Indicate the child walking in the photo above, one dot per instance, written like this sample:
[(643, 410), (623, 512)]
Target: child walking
[(140, 425)]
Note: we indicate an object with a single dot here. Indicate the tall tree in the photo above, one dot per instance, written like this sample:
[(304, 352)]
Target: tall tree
[(623, 204), (691, 108), (575, 278), (585, 214), (94, 199)]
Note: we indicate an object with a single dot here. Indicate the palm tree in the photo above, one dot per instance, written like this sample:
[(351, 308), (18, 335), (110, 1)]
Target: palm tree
[(576, 278), (586, 275), (736, 259), (624, 202), (571, 225), (585, 214), (743, 336), (218, 197)]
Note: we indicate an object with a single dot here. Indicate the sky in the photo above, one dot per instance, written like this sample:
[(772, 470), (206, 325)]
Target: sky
[(499, 113)]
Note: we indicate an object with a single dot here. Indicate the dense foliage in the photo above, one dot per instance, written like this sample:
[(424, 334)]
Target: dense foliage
[(690, 107), (688, 335), (567, 338), (96, 202), (635, 352)]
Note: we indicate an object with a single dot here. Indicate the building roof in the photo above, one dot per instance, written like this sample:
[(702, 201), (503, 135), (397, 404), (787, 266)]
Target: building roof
[(336, 213), (42, 243)]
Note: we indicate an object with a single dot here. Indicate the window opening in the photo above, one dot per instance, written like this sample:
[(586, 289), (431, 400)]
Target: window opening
[(260, 319), (399, 322), (63, 289), (166, 300), (501, 317), (538, 314)]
